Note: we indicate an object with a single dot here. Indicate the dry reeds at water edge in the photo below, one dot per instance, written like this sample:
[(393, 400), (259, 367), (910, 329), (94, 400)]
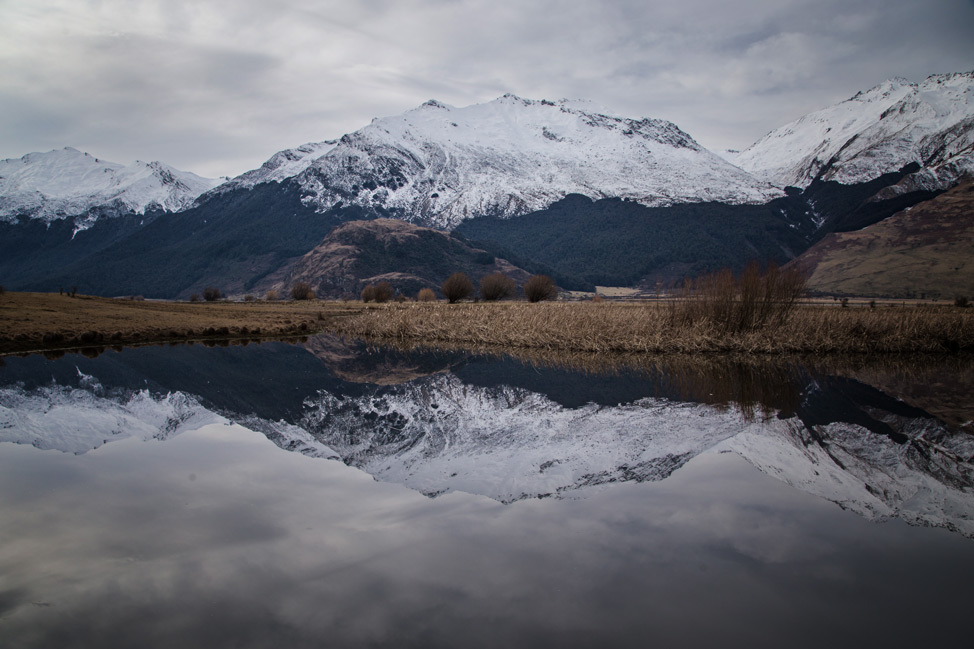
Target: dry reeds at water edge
[(734, 305), (760, 315)]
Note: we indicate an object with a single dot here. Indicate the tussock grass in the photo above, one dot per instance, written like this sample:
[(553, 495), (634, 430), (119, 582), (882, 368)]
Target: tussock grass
[(31, 321), (657, 328), (44, 321)]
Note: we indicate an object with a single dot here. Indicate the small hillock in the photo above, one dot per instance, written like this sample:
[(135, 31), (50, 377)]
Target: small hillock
[(409, 257)]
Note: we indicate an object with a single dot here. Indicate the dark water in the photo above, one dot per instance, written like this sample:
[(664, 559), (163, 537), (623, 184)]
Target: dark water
[(182, 496)]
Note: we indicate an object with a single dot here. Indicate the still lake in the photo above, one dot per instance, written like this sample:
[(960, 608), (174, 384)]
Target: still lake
[(331, 494)]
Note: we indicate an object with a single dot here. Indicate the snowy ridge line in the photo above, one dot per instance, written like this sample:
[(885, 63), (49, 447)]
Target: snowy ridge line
[(437, 165), (877, 131), (66, 182)]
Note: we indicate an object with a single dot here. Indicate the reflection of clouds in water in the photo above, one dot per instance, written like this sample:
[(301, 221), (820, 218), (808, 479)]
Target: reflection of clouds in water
[(274, 548)]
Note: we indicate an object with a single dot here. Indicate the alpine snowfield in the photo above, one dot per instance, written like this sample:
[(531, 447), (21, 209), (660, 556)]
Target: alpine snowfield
[(66, 182), (437, 165), (877, 131)]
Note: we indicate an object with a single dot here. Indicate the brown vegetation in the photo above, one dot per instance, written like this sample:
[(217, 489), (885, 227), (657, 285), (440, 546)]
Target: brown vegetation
[(383, 292), (37, 321), (539, 288), (650, 327), (737, 304), (211, 294), (457, 287), (497, 286), (302, 291), (426, 295)]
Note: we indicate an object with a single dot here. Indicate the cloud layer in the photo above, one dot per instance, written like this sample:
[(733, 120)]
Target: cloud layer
[(216, 86)]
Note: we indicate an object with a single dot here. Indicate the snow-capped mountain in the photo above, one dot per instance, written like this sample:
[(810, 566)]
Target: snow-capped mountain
[(438, 165), (66, 182), (877, 131)]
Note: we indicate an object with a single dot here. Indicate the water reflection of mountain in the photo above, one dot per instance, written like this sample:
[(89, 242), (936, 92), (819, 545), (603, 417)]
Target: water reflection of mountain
[(522, 428)]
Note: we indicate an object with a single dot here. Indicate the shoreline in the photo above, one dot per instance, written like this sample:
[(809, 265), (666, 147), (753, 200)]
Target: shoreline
[(43, 322)]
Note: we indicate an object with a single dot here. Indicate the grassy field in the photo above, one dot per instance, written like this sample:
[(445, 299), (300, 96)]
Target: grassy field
[(36, 321), (44, 321), (648, 327)]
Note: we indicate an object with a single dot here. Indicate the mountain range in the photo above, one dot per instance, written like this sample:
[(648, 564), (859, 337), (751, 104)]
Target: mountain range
[(564, 187)]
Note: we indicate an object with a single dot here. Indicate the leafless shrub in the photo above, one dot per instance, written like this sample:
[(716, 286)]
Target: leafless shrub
[(457, 287), (211, 294), (539, 288), (248, 297), (426, 295), (195, 297), (749, 302), (383, 292), (271, 296), (302, 291), (598, 298), (961, 301), (368, 293), (497, 286)]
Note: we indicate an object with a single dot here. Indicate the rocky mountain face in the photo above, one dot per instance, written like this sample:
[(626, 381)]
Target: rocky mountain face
[(68, 183), (890, 126), (922, 252), (438, 165)]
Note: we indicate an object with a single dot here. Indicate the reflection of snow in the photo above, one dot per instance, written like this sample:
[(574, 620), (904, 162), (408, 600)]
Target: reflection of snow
[(440, 435), (78, 420), (437, 435)]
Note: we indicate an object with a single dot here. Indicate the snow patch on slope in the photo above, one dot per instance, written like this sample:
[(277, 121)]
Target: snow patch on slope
[(66, 182), (877, 131)]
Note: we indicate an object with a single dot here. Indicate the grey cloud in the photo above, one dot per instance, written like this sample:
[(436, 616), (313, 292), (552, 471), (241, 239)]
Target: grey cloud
[(233, 86)]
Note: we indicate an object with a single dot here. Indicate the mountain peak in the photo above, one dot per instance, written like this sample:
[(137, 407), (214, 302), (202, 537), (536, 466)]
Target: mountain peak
[(893, 124), (65, 182), (438, 165)]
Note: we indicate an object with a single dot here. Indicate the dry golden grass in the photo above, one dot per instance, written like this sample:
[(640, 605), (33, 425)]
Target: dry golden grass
[(647, 327), (37, 321)]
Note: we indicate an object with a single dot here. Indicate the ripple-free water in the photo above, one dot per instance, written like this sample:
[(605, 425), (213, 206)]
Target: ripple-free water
[(184, 496)]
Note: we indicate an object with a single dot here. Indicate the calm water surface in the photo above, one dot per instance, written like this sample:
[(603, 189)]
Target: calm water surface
[(325, 494)]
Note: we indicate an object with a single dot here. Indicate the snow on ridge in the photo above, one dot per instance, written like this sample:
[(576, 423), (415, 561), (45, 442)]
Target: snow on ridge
[(438, 165), (876, 131), (280, 166), (66, 182)]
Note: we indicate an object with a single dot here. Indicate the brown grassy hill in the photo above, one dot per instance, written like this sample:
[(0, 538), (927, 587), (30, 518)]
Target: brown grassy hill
[(409, 257), (924, 252)]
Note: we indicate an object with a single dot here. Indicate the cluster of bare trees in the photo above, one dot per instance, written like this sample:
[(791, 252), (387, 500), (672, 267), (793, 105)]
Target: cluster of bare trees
[(498, 286)]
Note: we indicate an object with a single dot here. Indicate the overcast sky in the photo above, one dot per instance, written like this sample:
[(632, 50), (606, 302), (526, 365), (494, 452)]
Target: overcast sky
[(216, 87)]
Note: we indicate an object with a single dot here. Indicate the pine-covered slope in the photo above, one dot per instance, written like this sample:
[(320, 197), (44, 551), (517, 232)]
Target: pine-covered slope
[(437, 165), (878, 131), (68, 183)]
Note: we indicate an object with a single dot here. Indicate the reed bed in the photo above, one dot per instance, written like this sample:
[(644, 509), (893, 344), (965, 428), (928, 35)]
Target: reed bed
[(663, 328)]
